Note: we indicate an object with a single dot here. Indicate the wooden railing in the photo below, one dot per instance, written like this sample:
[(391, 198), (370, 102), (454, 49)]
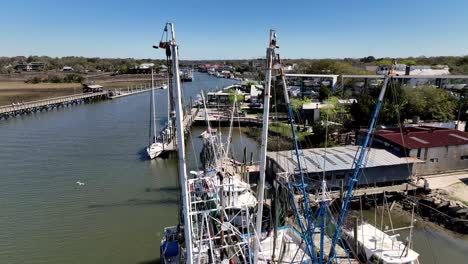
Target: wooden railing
[(49, 101)]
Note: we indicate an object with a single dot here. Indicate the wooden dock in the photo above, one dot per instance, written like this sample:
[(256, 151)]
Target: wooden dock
[(189, 118), (397, 188), (8, 111), (122, 93), (12, 110), (223, 118)]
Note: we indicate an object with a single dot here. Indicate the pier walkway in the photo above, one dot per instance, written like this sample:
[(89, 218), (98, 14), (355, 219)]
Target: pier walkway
[(18, 109), (13, 110), (121, 93), (189, 118), (223, 117), (397, 188)]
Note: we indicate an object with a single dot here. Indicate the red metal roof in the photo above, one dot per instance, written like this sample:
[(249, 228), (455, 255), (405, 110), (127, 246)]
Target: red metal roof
[(423, 137)]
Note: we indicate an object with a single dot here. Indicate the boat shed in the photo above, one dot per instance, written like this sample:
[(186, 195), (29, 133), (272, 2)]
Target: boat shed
[(92, 88), (380, 168)]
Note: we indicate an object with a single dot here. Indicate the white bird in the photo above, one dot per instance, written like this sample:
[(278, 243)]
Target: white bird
[(80, 183)]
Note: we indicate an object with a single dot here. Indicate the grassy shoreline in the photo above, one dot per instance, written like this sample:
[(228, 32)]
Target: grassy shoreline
[(19, 91)]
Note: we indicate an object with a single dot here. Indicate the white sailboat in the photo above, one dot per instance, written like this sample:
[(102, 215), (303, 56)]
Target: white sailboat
[(154, 148)]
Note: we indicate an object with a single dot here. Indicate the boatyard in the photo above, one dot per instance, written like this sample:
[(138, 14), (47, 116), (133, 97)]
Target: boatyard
[(189, 134)]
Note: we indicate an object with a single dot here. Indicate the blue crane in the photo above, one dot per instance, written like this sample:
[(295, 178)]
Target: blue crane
[(357, 169)]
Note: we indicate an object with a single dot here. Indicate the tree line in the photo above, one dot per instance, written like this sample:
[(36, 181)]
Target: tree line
[(79, 64), (457, 64)]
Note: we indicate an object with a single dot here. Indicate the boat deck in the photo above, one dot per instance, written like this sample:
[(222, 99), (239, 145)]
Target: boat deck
[(384, 246)]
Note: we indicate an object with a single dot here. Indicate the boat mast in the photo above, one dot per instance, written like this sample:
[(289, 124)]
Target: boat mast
[(150, 130), (181, 144), (169, 121), (209, 130), (226, 154), (153, 107), (266, 112)]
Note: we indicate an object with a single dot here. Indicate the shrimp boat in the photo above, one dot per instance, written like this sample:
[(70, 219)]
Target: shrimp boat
[(155, 147), (210, 198)]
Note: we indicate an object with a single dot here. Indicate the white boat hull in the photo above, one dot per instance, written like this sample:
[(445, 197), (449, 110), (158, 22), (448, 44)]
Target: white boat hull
[(382, 247), (154, 150)]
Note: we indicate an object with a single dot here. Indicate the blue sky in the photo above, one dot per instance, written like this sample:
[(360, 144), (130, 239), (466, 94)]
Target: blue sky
[(209, 29)]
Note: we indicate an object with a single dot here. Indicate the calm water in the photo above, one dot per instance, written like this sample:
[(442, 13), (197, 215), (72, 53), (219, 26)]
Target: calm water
[(118, 215)]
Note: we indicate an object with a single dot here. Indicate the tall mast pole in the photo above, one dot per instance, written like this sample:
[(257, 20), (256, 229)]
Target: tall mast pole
[(226, 154), (266, 112), (181, 146), (153, 106), (169, 121)]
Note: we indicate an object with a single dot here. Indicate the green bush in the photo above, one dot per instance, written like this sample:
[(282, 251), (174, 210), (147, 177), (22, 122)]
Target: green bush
[(73, 78), (34, 80), (53, 79)]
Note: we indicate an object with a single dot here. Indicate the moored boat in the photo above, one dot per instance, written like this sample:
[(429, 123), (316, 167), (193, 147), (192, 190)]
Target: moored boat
[(170, 249), (155, 147), (380, 247)]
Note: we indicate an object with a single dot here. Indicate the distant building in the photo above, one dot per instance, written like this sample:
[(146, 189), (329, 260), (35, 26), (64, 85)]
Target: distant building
[(381, 168), (145, 66), (311, 111), (371, 68), (32, 66), (403, 69), (440, 149), (290, 68), (162, 68), (142, 68), (417, 70), (220, 99)]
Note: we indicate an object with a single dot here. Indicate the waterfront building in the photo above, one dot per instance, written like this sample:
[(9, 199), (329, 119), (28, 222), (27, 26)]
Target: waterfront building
[(440, 149), (31, 66)]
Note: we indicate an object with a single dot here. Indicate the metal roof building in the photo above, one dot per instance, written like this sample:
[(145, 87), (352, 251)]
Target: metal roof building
[(423, 137), (381, 167), (441, 149)]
